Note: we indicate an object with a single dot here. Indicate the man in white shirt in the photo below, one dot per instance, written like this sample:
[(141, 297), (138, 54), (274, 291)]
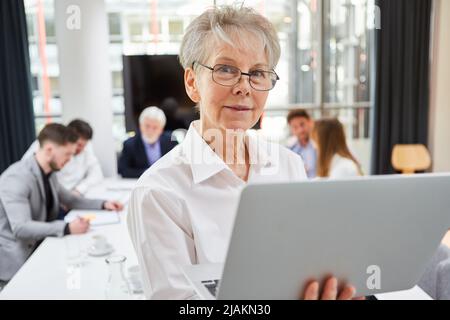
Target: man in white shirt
[(83, 171)]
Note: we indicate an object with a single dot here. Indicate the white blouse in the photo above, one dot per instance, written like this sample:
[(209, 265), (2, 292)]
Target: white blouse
[(182, 209), (343, 168)]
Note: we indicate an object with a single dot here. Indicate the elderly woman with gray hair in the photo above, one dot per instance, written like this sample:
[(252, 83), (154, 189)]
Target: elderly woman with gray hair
[(182, 209)]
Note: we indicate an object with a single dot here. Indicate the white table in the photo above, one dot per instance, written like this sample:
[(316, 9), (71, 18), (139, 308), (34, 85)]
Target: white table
[(414, 294), (47, 275)]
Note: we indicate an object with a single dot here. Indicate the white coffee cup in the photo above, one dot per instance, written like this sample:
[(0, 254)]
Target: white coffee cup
[(100, 242)]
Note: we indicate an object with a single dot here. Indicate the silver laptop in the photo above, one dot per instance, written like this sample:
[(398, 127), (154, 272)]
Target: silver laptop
[(377, 233)]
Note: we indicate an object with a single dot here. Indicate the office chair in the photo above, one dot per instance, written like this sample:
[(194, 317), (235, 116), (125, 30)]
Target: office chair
[(410, 158)]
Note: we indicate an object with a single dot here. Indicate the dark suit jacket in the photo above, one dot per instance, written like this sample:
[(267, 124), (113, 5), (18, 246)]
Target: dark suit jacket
[(133, 161)]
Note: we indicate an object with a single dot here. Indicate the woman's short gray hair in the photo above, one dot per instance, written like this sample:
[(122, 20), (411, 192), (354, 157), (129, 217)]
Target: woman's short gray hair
[(219, 23), (153, 113)]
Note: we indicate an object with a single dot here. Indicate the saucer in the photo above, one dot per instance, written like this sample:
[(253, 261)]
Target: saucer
[(98, 252)]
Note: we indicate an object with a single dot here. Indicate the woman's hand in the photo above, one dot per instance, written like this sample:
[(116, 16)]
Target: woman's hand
[(330, 291)]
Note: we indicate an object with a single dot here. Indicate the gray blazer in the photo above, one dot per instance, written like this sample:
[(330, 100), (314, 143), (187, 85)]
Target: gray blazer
[(23, 213)]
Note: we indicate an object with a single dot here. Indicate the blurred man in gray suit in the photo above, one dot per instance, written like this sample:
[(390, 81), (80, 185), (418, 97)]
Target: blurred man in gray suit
[(30, 198)]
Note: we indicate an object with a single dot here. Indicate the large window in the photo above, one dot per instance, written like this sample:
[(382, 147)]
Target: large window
[(43, 61), (325, 63), (141, 27), (329, 58)]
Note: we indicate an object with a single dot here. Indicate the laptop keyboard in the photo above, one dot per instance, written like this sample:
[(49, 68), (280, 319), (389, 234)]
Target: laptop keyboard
[(212, 286)]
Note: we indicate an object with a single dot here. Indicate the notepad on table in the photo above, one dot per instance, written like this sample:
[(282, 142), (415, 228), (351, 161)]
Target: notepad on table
[(95, 217)]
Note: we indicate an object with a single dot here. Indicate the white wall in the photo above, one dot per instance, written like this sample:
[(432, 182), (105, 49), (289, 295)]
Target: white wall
[(440, 90), (85, 76)]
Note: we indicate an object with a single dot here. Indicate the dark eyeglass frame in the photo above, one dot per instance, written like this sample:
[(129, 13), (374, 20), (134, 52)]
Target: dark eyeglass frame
[(249, 75)]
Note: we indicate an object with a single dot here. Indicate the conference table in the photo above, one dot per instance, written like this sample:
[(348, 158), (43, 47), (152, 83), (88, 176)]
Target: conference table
[(48, 274)]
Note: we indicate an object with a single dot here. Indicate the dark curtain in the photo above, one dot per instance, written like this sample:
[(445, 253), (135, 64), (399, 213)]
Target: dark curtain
[(402, 85), (17, 129)]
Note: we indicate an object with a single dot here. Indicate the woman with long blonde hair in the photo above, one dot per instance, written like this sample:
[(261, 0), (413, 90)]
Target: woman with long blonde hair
[(334, 157)]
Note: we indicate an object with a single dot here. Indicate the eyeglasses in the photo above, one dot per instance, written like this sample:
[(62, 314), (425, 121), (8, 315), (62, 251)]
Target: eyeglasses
[(229, 76)]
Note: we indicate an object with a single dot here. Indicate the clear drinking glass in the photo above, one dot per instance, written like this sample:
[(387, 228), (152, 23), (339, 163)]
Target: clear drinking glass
[(117, 287), (135, 281), (73, 250)]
